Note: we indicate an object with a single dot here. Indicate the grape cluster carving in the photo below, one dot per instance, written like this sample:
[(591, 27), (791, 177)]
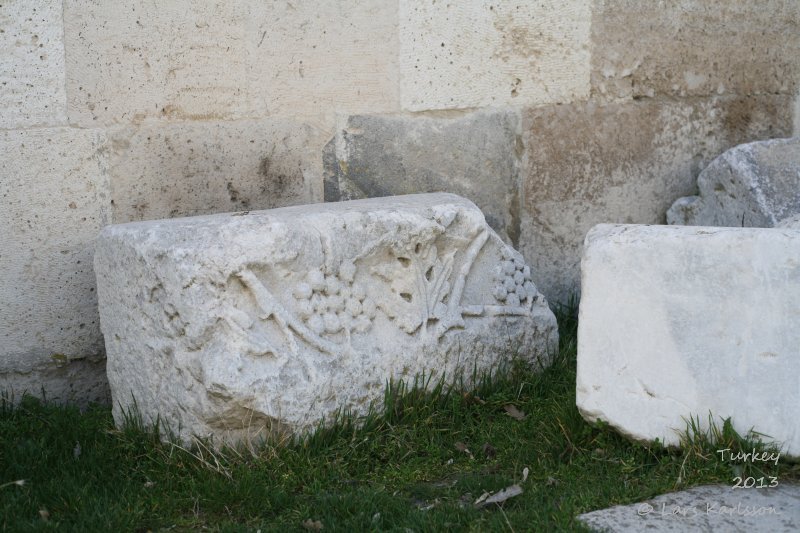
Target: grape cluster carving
[(513, 285), (331, 303)]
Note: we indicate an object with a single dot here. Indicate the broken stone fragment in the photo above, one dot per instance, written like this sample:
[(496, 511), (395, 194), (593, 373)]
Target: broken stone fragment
[(236, 326), (679, 322), (752, 185)]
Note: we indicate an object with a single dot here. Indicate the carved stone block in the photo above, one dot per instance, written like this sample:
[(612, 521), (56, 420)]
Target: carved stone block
[(235, 326)]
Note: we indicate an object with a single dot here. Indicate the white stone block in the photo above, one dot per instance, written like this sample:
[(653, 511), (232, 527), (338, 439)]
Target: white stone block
[(474, 54), (54, 187), (752, 185), (237, 325), (32, 64), (680, 321)]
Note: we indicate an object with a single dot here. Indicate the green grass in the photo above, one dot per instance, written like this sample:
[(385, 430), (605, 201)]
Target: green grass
[(419, 466)]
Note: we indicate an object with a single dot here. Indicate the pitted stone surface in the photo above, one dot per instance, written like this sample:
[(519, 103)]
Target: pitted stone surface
[(32, 65), (237, 325), (752, 185), (680, 321), (55, 195), (710, 509)]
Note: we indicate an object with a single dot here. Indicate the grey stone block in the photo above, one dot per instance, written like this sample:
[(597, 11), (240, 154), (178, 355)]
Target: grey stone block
[(474, 155)]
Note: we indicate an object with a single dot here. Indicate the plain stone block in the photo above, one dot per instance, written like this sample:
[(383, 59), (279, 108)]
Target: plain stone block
[(32, 64), (456, 55), (678, 322), (54, 186), (474, 155), (186, 168), (694, 48), (239, 326), (238, 59)]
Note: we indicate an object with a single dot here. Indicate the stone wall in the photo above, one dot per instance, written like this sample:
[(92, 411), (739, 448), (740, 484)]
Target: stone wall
[(551, 116)]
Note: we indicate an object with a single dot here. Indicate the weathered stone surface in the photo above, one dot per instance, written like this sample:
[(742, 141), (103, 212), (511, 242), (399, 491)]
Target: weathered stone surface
[(694, 48), (679, 321), (792, 222), (55, 195), (192, 168), (710, 509), (475, 155), (228, 60), (31, 65), (627, 162), (471, 54), (237, 325), (752, 185)]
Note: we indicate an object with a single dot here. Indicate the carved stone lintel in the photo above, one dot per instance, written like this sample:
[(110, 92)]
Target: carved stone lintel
[(293, 313)]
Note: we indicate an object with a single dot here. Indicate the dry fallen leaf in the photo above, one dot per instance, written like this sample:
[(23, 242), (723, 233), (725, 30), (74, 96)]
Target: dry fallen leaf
[(460, 446), (499, 497), (45, 514), (489, 450), (551, 481), (514, 413), (312, 525)]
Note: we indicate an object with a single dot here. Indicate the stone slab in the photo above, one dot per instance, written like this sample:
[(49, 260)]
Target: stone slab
[(648, 49), (55, 192), (456, 55), (32, 65), (187, 60), (236, 326), (707, 509), (589, 163), (679, 321), (475, 155), (751, 185)]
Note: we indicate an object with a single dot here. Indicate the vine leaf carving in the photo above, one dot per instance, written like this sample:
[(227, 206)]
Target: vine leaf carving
[(420, 282)]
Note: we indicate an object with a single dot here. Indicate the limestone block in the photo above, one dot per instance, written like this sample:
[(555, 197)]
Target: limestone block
[(694, 48), (235, 326), (31, 64), (228, 60), (474, 155), (753, 185), (591, 163), (710, 508), (54, 186), (679, 321), (199, 167), (473, 54)]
